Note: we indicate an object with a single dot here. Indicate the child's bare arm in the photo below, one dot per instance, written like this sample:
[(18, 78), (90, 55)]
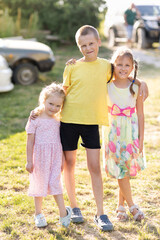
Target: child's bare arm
[(29, 150), (140, 114)]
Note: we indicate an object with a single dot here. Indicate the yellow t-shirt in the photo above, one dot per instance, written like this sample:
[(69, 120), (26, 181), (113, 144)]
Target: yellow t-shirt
[(86, 100)]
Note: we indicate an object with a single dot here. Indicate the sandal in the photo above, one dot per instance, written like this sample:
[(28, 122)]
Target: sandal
[(139, 215), (122, 215)]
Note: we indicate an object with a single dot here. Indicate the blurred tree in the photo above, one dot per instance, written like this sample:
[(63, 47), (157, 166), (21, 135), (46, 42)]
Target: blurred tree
[(61, 17)]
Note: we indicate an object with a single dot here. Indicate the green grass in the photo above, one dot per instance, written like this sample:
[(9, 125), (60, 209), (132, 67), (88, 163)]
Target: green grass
[(17, 209)]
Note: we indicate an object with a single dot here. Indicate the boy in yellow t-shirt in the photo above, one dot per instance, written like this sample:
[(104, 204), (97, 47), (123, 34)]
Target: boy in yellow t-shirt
[(85, 108)]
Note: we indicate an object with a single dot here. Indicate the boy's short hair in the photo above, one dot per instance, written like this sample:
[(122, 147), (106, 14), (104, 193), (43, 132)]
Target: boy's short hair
[(84, 30)]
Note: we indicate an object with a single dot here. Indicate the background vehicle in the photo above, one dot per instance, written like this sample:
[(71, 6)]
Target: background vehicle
[(26, 58), (146, 29), (5, 76)]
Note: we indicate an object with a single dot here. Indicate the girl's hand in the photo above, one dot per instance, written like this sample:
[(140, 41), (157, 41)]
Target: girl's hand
[(71, 61), (140, 146), (29, 167)]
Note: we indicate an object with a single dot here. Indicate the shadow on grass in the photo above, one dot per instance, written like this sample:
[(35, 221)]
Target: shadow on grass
[(80, 232)]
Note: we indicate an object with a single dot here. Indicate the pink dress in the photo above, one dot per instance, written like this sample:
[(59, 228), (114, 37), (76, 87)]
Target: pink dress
[(47, 157)]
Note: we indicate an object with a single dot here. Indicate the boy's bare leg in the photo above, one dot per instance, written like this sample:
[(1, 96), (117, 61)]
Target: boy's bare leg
[(69, 170), (93, 161)]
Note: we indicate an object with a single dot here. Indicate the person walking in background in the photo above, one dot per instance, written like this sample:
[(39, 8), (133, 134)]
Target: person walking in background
[(130, 16), (44, 154), (124, 140)]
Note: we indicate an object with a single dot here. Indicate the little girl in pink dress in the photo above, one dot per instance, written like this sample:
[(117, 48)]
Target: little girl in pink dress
[(44, 154)]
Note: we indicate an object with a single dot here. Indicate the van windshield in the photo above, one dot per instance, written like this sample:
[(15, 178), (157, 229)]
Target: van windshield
[(148, 10)]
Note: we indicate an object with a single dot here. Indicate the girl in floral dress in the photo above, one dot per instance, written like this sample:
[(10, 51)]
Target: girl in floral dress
[(124, 142), (44, 154)]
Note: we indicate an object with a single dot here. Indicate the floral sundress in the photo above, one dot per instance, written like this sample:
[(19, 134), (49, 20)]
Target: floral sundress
[(120, 140)]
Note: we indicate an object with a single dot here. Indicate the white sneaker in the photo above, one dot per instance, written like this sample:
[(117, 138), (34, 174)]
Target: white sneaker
[(65, 221), (40, 220)]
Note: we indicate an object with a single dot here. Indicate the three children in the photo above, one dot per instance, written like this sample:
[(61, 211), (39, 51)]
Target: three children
[(84, 109)]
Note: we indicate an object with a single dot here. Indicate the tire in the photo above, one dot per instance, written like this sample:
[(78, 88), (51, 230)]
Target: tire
[(25, 74), (142, 40), (111, 38)]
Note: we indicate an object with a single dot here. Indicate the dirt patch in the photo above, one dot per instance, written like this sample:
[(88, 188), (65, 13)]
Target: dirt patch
[(149, 56)]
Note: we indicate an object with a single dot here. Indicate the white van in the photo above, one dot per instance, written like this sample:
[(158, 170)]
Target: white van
[(5, 76)]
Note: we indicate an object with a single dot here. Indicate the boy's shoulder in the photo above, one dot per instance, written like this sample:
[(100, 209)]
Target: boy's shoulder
[(79, 63), (104, 60)]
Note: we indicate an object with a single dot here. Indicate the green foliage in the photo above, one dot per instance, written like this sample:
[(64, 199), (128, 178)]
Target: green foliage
[(7, 24), (12, 25), (61, 17)]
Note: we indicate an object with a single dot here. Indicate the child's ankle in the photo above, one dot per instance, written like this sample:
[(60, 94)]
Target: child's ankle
[(37, 213), (63, 214)]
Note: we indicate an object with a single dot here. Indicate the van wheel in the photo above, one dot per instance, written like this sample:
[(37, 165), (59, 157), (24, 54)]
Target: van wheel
[(142, 41), (25, 74), (111, 38)]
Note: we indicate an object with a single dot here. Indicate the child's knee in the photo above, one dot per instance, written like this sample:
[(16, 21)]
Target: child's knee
[(94, 168)]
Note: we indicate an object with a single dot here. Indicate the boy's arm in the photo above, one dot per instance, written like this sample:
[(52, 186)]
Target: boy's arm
[(140, 114), (29, 150), (143, 88)]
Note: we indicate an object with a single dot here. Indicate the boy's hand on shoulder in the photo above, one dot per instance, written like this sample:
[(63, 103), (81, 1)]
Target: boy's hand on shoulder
[(71, 61), (144, 90), (29, 167)]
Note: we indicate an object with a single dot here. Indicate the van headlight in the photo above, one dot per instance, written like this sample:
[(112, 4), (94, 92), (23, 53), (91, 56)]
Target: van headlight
[(152, 24)]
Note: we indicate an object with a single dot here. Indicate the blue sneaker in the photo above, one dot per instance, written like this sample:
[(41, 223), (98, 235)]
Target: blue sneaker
[(76, 216), (103, 223)]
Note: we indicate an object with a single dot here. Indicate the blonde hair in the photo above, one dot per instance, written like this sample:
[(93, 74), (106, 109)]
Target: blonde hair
[(85, 30), (50, 90), (121, 52)]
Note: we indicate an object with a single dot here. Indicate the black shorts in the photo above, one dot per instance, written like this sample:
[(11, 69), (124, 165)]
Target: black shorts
[(70, 133)]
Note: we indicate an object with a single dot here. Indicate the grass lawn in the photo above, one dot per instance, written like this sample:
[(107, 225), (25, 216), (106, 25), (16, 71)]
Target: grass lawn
[(17, 209)]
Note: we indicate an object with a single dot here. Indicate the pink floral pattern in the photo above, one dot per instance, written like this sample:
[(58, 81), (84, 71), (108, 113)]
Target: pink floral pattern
[(122, 156), (47, 157)]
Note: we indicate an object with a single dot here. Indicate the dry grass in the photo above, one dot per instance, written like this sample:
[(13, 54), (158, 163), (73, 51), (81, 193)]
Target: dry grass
[(17, 209)]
